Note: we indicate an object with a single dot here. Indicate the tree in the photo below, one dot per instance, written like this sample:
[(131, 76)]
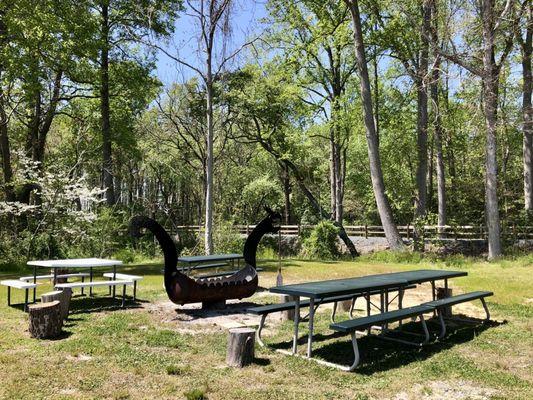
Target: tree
[(213, 19), (265, 106), (36, 72), (122, 23), (527, 111), (316, 45), (497, 43), (378, 185), (437, 118)]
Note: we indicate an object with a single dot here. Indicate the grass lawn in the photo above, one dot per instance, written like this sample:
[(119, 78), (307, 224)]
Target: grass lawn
[(107, 352)]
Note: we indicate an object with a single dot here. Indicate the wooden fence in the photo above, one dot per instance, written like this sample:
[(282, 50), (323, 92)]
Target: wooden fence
[(436, 232)]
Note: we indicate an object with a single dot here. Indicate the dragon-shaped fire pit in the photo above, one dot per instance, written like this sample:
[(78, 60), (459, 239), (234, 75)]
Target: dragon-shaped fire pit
[(182, 289)]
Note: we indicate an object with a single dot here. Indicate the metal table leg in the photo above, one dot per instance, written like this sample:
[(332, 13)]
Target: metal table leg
[(123, 295), (114, 278), (400, 304), (311, 323), (433, 295), (26, 301), (34, 281), (90, 280), (296, 322)]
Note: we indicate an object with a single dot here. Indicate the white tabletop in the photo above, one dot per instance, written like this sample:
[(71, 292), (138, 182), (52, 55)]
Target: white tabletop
[(75, 263)]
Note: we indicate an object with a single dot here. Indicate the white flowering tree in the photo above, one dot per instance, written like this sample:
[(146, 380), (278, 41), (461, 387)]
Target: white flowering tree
[(61, 209)]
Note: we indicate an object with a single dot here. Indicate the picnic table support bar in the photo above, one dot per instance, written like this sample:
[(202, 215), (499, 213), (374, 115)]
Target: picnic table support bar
[(426, 335), (90, 279), (114, 287), (433, 295), (260, 329), (296, 322), (400, 305), (34, 281), (311, 323)]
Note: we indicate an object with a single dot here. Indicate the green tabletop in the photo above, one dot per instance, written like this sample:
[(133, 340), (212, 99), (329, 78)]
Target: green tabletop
[(211, 258), (364, 284)]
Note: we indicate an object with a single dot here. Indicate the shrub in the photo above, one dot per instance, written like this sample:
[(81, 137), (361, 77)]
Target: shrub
[(226, 239), (388, 256), (322, 242), (195, 394)]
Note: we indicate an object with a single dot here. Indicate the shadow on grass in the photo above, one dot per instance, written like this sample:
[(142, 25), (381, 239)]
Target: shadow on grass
[(85, 304), (379, 355)]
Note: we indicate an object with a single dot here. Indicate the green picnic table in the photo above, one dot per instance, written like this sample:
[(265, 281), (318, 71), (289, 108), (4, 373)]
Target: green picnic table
[(193, 263), (316, 291)]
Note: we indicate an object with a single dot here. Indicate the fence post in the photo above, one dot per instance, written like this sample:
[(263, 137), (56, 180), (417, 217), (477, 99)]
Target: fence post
[(247, 229), (298, 231), (366, 231), (408, 233)]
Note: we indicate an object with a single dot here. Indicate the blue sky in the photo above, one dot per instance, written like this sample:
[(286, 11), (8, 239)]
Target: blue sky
[(245, 22)]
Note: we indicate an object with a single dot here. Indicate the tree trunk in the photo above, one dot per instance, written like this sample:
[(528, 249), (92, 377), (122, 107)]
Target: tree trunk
[(527, 113), (422, 118), (490, 97), (107, 162), (314, 202), (4, 134), (209, 162), (6, 153), (45, 320), (384, 209), (332, 172), (339, 185), (63, 296), (437, 122), (241, 344), (285, 177)]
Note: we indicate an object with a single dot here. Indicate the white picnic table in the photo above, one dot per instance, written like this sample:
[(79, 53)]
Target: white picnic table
[(73, 263)]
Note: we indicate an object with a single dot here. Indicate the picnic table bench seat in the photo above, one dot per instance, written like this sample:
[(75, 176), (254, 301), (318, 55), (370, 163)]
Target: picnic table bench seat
[(126, 277), (93, 284), (60, 276), (223, 273), (202, 266), (440, 304), (358, 324), (263, 311), (362, 323), (17, 284)]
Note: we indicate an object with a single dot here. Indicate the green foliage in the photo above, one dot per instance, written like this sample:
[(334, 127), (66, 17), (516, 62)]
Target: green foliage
[(404, 257), (226, 240), (322, 242), (195, 394)]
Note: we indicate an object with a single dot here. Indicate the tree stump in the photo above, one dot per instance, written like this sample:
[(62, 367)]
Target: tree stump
[(287, 315), (441, 294), (241, 344), (45, 320), (63, 296), (61, 271)]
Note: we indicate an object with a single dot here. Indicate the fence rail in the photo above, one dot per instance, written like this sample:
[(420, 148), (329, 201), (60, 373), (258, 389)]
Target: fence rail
[(472, 232)]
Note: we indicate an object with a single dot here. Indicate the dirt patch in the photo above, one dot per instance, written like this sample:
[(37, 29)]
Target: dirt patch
[(189, 318), (79, 357), (447, 390)]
